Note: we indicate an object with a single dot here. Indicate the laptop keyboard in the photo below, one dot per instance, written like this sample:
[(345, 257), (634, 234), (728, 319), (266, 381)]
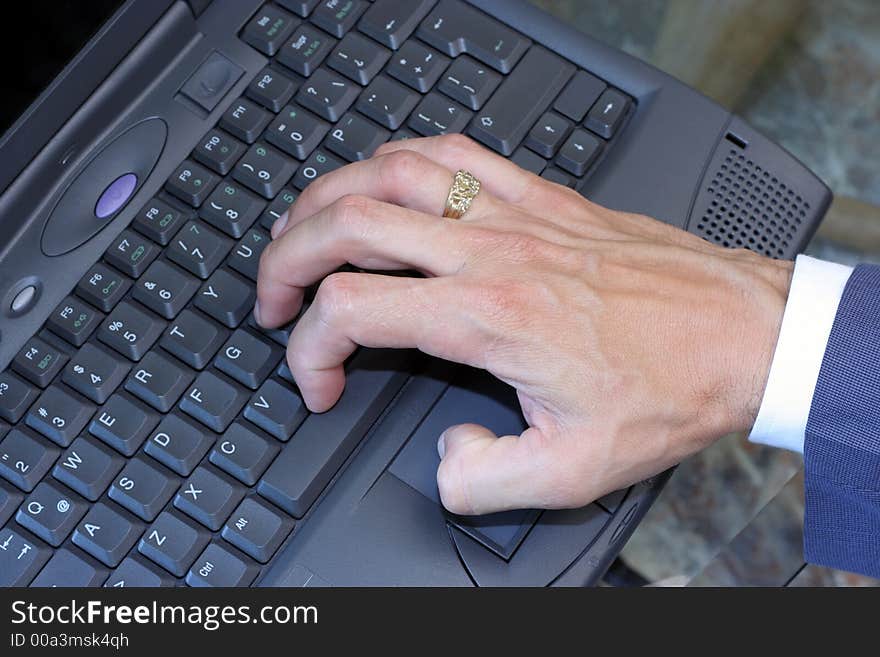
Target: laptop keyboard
[(151, 432)]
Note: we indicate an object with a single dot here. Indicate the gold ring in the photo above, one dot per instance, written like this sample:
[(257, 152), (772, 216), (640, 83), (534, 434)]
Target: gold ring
[(462, 193)]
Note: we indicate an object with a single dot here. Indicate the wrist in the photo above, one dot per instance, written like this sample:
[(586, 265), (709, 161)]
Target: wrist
[(761, 287)]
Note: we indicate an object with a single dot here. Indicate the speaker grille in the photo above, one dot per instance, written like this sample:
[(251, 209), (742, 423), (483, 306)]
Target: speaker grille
[(750, 207)]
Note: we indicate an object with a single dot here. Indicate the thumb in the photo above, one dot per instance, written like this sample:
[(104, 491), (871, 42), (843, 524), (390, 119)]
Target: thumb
[(482, 473)]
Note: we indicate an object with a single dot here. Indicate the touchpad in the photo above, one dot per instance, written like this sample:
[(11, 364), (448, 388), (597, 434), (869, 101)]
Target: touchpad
[(478, 397)]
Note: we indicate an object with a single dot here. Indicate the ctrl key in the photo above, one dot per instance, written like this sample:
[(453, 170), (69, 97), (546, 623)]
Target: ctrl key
[(21, 557), (222, 566)]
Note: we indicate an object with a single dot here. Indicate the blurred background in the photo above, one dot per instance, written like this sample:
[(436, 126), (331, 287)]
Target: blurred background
[(807, 74)]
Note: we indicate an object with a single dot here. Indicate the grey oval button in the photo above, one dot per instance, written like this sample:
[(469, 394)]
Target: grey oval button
[(24, 299), (115, 196)]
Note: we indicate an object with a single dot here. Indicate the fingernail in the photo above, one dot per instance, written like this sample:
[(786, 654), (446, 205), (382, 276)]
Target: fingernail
[(441, 445), (279, 225), (257, 315)]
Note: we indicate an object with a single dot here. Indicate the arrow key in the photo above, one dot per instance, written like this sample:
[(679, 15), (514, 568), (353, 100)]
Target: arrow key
[(548, 134), (579, 152)]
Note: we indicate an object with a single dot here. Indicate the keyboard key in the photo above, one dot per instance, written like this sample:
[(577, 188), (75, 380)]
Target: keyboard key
[(355, 138), (245, 119), (102, 287), (276, 208), (123, 423), (579, 152), (208, 497), (243, 453), (437, 115), (358, 58), (25, 458), (218, 151), (68, 569), (283, 372), (74, 321), (272, 89), (457, 28), (245, 257), (558, 176), (130, 331), (338, 16), (95, 372), (417, 66), (268, 29), (221, 566), (159, 220), (387, 102), (300, 7), (248, 359), (391, 22), (144, 488), (131, 253), (198, 249), (21, 557), (59, 415), (548, 134), (264, 170), (16, 396), (226, 297), (232, 209), (134, 572), (173, 543), (194, 339), (319, 163), (179, 443), (214, 401), (296, 131), (159, 381), (305, 50), (39, 362), (191, 183), (165, 289), (87, 467), (51, 512), (469, 82), (107, 533), (324, 441), (579, 95), (520, 100), (608, 113), (276, 409), (527, 160), (327, 94), (257, 529), (10, 499), (280, 335)]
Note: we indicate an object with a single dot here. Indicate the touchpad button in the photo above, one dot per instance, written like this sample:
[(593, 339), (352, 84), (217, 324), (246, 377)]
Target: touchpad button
[(477, 397)]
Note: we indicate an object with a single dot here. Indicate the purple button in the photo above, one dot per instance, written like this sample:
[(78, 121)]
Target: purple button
[(115, 195)]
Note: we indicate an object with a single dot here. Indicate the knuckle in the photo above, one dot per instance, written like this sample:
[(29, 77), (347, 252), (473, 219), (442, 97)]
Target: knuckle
[(458, 144), (504, 301), (350, 213), (398, 169), (451, 486), (335, 296)]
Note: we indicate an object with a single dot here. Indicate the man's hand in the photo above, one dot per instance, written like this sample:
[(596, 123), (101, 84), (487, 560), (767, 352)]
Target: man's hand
[(632, 344)]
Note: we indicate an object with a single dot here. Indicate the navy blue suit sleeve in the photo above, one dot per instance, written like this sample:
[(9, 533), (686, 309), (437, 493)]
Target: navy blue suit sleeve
[(842, 443)]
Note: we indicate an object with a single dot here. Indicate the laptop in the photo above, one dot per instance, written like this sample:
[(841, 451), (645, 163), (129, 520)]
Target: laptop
[(150, 432)]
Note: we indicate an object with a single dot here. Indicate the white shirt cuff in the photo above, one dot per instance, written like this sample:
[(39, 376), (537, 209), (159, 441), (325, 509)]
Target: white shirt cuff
[(816, 289)]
